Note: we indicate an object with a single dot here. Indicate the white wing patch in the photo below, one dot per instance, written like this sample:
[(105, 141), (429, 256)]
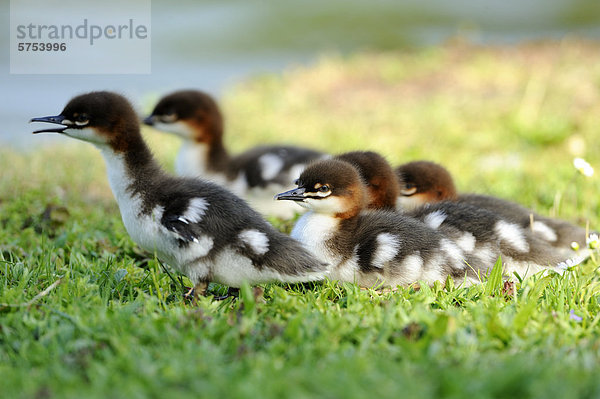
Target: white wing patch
[(512, 234), (435, 219), (196, 209), (347, 271), (411, 269), (270, 165), (201, 247), (486, 255), (387, 248), (544, 231), (257, 240), (454, 252), (466, 242), (432, 270)]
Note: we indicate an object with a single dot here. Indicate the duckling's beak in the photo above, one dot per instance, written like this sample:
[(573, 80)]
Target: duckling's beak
[(297, 194), (57, 120), (149, 120)]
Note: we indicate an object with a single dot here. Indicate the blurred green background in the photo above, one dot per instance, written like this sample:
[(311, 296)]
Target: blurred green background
[(212, 45)]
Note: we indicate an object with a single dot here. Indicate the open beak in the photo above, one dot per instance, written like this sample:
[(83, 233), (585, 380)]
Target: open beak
[(149, 120), (296, 194), (57, 120)]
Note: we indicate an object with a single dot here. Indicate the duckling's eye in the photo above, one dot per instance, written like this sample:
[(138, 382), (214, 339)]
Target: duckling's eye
[(169, 118), (324, 188), (297, 182), (81, 119), (409, 189)]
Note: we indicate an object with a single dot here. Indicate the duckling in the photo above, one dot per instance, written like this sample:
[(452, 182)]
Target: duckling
[(256, 174), (371, 247), (195, 226), (470, 223), (487, 235), (423, 182), (382, 186), (427, 182)]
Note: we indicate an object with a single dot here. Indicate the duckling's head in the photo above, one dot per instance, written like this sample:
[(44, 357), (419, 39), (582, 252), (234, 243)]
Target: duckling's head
[(191, 114), (101, 117), (382, 186), (423, 182), (331, 187)]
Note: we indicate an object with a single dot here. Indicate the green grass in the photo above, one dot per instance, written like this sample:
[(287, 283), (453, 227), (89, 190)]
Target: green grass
[(506, 121)]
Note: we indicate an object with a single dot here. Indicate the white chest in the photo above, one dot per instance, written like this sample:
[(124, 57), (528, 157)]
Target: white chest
[(313, 230), (192, 161), (145, 230)]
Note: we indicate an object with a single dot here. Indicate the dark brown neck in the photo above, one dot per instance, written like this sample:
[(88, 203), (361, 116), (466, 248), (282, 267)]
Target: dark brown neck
[(141, 163), (131, 166), (343, 242), (210, 135), (217, 156)]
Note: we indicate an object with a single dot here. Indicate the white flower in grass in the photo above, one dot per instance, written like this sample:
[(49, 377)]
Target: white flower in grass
[(583, 167), (575, 246), (593, 241)]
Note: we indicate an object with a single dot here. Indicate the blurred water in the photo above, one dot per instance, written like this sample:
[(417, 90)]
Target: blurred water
[(210, 45)]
